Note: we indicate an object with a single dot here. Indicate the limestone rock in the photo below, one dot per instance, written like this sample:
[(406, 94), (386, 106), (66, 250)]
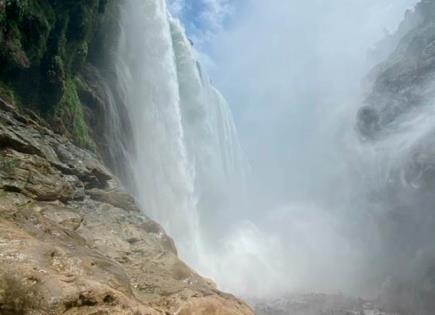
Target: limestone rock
[(35, 177), (73, 242)]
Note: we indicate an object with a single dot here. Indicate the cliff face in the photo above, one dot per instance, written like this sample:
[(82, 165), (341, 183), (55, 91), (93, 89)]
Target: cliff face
[(398, 118), (72, 242), (404, 81), (53, 60)]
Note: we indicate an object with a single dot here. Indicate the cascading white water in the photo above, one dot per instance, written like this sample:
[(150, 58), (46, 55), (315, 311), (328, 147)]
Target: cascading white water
[(211, 134), (210, 137), (189, 170), (187, 159), (146, 69)]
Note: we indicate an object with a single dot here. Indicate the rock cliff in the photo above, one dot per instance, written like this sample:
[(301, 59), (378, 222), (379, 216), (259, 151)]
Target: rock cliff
[(54, 59), (398, 117), (73, 242)]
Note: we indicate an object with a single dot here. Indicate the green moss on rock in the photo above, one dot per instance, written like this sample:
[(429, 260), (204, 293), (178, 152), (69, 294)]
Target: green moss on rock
[(44, 45), (25, 26), (70, 113), (7, 94)]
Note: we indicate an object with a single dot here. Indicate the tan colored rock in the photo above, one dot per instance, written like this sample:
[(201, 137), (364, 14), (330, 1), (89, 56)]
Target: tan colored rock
[(26, 135), (115, 197), (212, 305), (36, 178), (72, 242)]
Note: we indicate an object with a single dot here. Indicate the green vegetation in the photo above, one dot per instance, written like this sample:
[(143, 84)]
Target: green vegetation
[(70, 112), (7, 94), (44, 46)]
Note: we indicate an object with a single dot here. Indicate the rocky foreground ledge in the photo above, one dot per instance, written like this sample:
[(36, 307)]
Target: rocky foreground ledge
[(72, 242)]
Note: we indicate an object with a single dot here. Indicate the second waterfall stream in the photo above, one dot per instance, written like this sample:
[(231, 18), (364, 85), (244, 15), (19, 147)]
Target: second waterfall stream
[(189, 169)]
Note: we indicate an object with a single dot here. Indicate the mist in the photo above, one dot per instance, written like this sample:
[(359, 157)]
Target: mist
[(288, 69), (217, 157), (290, 195), (293, 72)]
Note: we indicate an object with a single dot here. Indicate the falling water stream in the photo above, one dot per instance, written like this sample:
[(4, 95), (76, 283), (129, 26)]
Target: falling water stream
[(190, 173), (187, 159)]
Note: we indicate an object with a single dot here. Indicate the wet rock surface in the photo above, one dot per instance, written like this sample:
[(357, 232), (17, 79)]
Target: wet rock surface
[(73, 242), (397, 122), (404, 81)]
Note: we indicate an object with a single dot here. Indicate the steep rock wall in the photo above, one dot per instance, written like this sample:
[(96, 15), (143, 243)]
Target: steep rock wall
[(398, 124), (73, 242), (53, 60)]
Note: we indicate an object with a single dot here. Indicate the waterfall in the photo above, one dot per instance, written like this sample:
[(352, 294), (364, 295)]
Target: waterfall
[(326, 203), (187, 161)]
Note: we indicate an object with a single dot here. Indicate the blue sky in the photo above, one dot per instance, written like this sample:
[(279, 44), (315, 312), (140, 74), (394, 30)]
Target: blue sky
[(282, 64), (203, 18), (291, 71)]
